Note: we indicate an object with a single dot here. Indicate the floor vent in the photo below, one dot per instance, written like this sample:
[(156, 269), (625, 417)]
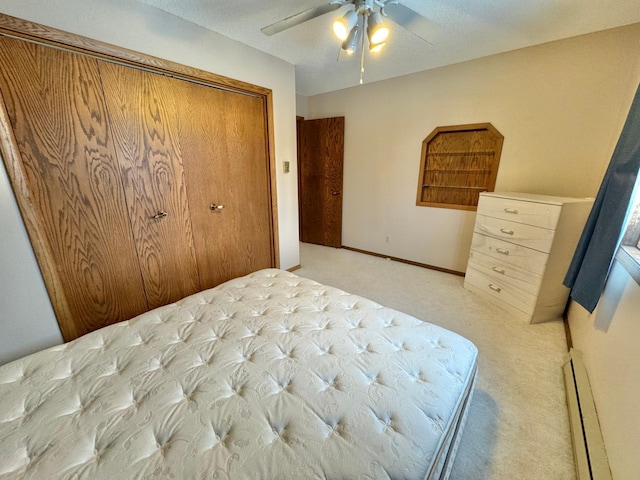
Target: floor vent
[(588, 447)]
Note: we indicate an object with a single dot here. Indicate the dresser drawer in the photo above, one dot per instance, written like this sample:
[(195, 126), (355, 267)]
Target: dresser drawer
[(531, 213), (520, 257), (501, 290), (520, 248), (522, 234), (505, 272)]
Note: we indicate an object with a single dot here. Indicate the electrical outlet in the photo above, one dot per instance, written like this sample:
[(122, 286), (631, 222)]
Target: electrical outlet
[(387, 239)]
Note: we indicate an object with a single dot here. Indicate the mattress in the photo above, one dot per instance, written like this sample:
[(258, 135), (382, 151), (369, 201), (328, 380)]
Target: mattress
[(268, 376)]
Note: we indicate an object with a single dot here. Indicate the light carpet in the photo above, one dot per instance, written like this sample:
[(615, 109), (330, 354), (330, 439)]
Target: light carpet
[(518, 425)]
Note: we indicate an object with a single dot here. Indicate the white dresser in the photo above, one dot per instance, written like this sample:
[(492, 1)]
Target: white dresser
[(521, 249)]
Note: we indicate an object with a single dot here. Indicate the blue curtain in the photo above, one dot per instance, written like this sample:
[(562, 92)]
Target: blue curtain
[(589, 268)]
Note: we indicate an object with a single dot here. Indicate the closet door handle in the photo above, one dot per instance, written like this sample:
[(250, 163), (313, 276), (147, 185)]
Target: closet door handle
[(507, 232), (494, 288), (502, 251), (216, 208), (159, 215)]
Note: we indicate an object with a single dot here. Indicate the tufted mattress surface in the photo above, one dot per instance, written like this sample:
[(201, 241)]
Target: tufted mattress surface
[(268, 376)]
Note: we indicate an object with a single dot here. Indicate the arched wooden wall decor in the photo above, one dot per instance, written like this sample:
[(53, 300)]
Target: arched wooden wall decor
[(457, 164)]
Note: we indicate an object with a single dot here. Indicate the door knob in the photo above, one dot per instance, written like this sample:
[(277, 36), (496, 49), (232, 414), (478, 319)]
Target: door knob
[(335, 193), (216, 208)]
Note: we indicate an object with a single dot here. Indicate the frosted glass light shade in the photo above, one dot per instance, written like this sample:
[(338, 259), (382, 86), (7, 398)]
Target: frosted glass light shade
[(377, 31), (343, 25)]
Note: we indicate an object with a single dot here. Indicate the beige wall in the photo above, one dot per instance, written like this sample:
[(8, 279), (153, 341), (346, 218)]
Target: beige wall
[(560, 107), (609, 339), (302, 106), (26, 319)]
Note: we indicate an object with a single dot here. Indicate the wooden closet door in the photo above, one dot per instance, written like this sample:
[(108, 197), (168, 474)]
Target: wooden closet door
[(227, 165), (72, 197), (144, 112)]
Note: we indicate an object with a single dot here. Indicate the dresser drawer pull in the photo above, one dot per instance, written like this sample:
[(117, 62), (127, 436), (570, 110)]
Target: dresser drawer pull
[(502, 251), (494, 288), (511, 210), (507, 232), (498, 270)]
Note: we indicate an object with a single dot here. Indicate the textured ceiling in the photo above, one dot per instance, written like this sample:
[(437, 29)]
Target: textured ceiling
[(468, 29)]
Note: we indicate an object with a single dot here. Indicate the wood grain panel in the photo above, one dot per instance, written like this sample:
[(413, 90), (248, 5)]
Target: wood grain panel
[(457, 164), (42, 33), (227, 163), (73, 183), (149, 145), (320, 171)]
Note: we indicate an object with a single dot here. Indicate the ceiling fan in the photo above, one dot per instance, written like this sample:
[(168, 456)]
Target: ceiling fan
[(366, 15)]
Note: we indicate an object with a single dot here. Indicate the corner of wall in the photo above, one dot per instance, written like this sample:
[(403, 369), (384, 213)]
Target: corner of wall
[(302, 105)]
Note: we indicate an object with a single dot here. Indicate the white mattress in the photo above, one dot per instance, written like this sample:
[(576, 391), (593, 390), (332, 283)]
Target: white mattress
[(269, 376)]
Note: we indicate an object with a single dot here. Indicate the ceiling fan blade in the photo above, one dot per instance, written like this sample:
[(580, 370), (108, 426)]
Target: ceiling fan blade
[(301, 17), (412, 21)]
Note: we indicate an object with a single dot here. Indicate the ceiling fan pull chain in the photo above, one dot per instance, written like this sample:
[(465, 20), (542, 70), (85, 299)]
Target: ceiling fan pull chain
[(364, 20)]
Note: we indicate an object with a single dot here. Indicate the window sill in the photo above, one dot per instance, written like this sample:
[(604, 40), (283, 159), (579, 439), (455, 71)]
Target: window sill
[(629, 257)]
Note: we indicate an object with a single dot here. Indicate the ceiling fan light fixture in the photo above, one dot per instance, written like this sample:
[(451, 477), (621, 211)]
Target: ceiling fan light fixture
[(345, 24), (377, 31), (351, 42)]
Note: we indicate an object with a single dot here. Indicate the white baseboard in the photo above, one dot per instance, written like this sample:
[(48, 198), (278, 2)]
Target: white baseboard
[(588, 446)]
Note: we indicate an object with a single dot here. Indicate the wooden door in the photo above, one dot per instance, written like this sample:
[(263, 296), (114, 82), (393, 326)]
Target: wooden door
[(320, 167), (228, 182), (72, 193), (144, 109)]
